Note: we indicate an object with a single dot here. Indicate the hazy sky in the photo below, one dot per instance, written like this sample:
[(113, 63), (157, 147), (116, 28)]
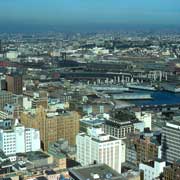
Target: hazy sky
[(58, 12)]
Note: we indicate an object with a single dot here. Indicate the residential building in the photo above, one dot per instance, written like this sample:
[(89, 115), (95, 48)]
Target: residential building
[(145, 117), (153, 169)]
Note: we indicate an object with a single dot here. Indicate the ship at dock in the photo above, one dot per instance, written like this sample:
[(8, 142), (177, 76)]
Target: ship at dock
[(132, 96), (141, 87)]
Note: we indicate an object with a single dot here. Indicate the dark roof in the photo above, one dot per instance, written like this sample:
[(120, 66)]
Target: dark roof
[(49, 172), (36, 155), (41, 178)]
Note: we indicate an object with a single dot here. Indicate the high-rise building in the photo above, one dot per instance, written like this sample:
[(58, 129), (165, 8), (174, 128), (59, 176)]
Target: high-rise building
[(97, 147), (14, 83), (19, 139), (53, 125), (170, 141)]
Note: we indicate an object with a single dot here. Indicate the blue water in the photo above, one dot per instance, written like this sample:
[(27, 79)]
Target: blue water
[(159, 97)]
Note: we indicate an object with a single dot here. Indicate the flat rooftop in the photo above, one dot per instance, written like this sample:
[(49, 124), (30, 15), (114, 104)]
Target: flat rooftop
[(94, 171), (93, 121), (36, 155)]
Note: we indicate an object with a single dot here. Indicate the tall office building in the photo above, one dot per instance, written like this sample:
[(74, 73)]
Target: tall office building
[(53, 125), (170, 141), (19, 139), (14, 83), (95, 146)]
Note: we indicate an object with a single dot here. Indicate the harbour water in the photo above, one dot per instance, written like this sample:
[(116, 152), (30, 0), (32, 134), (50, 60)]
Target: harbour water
[(159, 97)]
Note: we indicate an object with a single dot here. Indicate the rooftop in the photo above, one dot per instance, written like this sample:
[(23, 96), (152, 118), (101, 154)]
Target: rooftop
[(36, 155), (173, 124), (93, 172)]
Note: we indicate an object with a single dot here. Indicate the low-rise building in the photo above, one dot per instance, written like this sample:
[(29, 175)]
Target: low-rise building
[(91, 121), (152, 169), (62, 152), (145, 117), (100, 171)]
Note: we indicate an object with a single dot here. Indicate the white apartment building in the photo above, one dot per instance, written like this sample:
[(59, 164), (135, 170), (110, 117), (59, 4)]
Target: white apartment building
[(145, 117), (153, 169), (95, 146), (19, 139)]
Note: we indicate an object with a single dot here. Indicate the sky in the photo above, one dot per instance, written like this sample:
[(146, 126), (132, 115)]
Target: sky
[(88, 12)]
